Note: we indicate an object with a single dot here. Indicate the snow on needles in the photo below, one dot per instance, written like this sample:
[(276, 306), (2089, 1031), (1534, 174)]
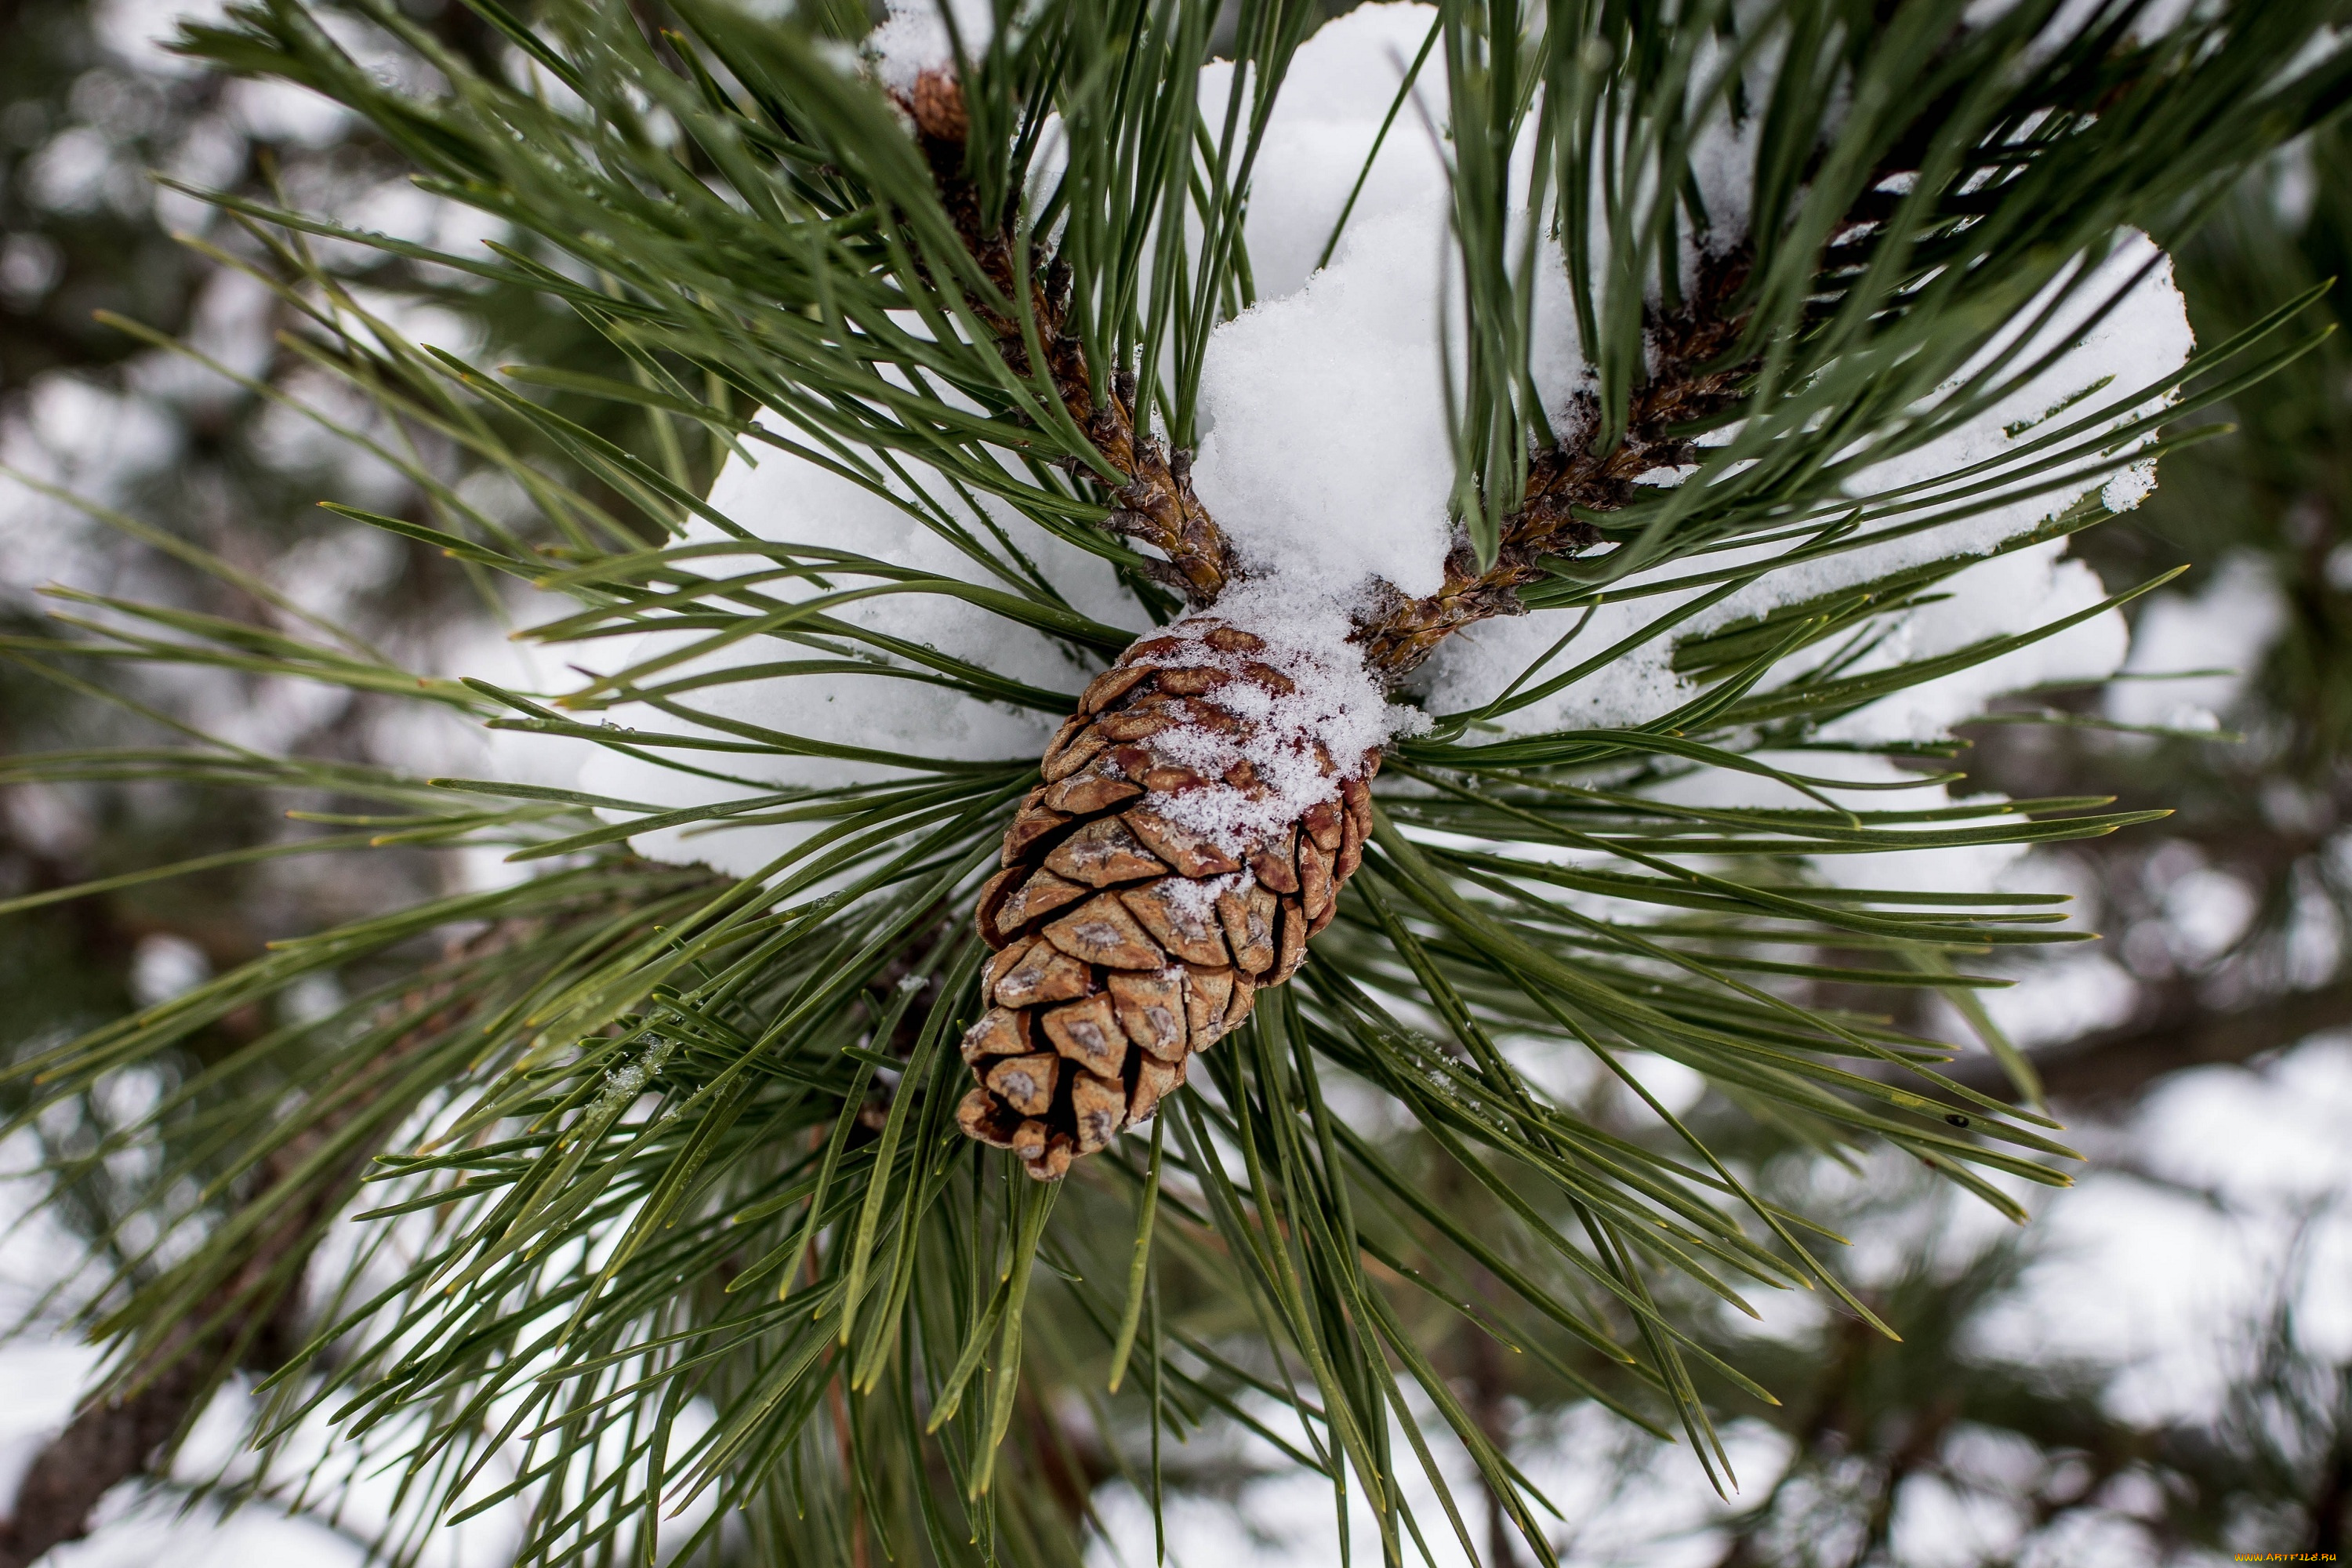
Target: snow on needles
[(2099, 377), (1325, 456), (893, 709)]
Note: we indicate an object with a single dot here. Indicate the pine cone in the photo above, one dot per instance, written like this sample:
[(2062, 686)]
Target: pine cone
[(1143, 900)]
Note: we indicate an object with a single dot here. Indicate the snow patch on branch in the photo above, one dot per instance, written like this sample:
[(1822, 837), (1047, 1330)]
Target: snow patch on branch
[(914, 38), (2100, 368), (1325, 453), (876, 699), (1327, 458)]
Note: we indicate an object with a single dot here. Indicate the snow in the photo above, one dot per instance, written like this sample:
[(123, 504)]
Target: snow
[(1327, 456), (2146, 338), (1338, 89), (1354, 356), (1723, 149), (785, 498), (2152, 20), (1324, 453), (1333, 708), (914, 38), (2009, 594), (2143, 340)]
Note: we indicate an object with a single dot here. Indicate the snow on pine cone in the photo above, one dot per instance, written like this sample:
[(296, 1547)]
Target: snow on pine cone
[(1199, 813)]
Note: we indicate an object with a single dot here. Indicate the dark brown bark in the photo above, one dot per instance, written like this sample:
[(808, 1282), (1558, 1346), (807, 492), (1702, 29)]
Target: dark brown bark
[(105, 1444), (1919, 1445), (1490, 1387), (2331, 1508), (1830, 1422)]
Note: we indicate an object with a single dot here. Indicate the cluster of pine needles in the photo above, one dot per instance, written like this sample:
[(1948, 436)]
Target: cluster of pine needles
[(631, 1193)]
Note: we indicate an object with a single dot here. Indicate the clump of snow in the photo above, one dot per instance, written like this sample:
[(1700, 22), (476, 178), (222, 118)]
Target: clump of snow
[(2146, 338), (1301, 743), (914, 38), (1320, 131), (2020, 592), (785, 498), (2101, 371), (1326, 454), (625, 1083), (2129, 487)]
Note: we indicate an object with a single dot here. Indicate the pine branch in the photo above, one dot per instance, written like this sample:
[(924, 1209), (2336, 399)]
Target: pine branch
[(765, 1012), (1156, 505), (253, 1319), (1688, 382)]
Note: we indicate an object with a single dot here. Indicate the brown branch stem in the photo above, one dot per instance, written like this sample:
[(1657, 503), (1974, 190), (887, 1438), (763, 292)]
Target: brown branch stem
[(1156, 505), (2114, 1065), (1686, 383)]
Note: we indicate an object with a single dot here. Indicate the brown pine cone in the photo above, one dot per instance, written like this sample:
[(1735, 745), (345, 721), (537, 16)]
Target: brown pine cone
[(1192, 832)]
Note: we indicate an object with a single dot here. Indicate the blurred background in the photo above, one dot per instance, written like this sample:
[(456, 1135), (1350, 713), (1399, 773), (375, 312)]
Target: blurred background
[(2158, 1370)]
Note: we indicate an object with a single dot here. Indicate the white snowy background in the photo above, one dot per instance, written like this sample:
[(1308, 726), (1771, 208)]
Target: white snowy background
[(2155, 1263)]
